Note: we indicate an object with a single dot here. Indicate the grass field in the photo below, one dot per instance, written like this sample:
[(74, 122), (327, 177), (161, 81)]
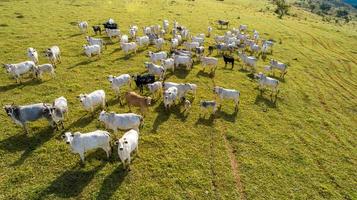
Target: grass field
[(302, 147)]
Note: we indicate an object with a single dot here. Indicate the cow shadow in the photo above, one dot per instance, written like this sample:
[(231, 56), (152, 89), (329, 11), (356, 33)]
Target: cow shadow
[(71, 183), (181, 73), (161, 117), (28, 82), (83, 121), (230, 117), (205, 74), (202, 120), (85, 62), (115, 50), (12, 86), (266, 101), (26, 143), (112, 182), (115, 101), (75, 35)]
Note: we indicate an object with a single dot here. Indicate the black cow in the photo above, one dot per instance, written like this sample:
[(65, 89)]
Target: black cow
[(223, 23), (228, 59), (141, 80), (97, 29)]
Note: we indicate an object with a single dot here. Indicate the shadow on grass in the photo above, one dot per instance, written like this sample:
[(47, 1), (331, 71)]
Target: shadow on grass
[(162, 116), (226, 116), (75, 35), (202, 120), (26, 143), (83, 121), (205, 74), (267, 101), (29, 82), (181, 72), (112, 182), (71, 183)]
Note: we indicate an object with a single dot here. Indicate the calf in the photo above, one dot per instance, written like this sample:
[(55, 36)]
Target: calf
[(174, 43), (32, 54), (118, 81), (155, 87), (182, 88), (16, 70), (168, 63), (141, 80), (83, 26), (125, 121), (126, 145), (53, 54), (155, 69), (90, 50), (136, 100), (205, 105), (92, 100), (81, 143), (170, 96), (21, 115), (45, 68), (224, 93), (124, 39), (228, 59), (97, 41), (97, 29), (58, 110)]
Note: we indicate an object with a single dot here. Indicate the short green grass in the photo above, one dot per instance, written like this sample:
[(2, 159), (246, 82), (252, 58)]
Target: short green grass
[(302, 147)]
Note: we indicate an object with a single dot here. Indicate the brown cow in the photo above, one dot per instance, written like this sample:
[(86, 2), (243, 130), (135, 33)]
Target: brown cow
[(133, 99)]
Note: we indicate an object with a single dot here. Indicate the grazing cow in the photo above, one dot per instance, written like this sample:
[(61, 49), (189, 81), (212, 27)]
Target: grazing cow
[(134, 99), (81, 143), (126, 145), (40, 69), (182, 60), (243, 27), (159, 43), (205, 105), (21, 115), (83, 26), (200, 40), (143, 41), (58, 110), (32, 54), (130, 46), (224, 93), (168, 63), (156, 57), (271, 83), (155, 69), (248, 60), (191, 45), (170, 96), (125, 121), (113, 33), (118, 81), (223, 23), (54, 55), (228, 59), (97, 29), (210, 62), (92, 100), (16, 70), (124, 39), (182, 88), (90, 50), (97, 41), (155, 87), (209, 31), (141, 80), (274, 64)]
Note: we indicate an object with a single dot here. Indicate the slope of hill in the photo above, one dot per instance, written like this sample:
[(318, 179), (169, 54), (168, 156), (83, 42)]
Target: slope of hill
[(302, 147)]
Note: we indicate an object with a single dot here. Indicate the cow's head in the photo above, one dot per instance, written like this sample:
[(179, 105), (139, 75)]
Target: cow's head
[(68, 137), (216, 89), (9, 109), (102, 116), (148, 101), (122, 142), (82, 97), (110, 78)]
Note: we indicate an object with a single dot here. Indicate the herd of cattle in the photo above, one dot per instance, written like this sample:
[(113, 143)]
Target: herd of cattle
[(236, 39)]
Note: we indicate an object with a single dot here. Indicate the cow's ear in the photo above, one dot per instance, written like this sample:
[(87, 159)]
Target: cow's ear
[(116, 142), (63, 136)]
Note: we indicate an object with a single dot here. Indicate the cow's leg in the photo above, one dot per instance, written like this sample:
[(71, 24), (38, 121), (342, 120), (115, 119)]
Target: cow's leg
[(82, 156)]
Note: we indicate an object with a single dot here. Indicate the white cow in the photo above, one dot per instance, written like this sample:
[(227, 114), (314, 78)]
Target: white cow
[(54, 55), (170, 96), (248, 60), (168, 63), (156, 57), (191, 45), (59, 109), (125, 121), (91, 50), (16, 70), (183, 60), (131, 46), (200, 40), (224, 93), (32, 54), (119, 81), (182, 88), (243, 27), (159, 43), (271, 83), (155, 69), (155, 87), (282, 67), (143, 41), (124, 39), (126, 145), (210, 62), (83, 26), (92, 100), (113, 33), (40, 69), (81, 143), (97, 41), (174, 43)]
